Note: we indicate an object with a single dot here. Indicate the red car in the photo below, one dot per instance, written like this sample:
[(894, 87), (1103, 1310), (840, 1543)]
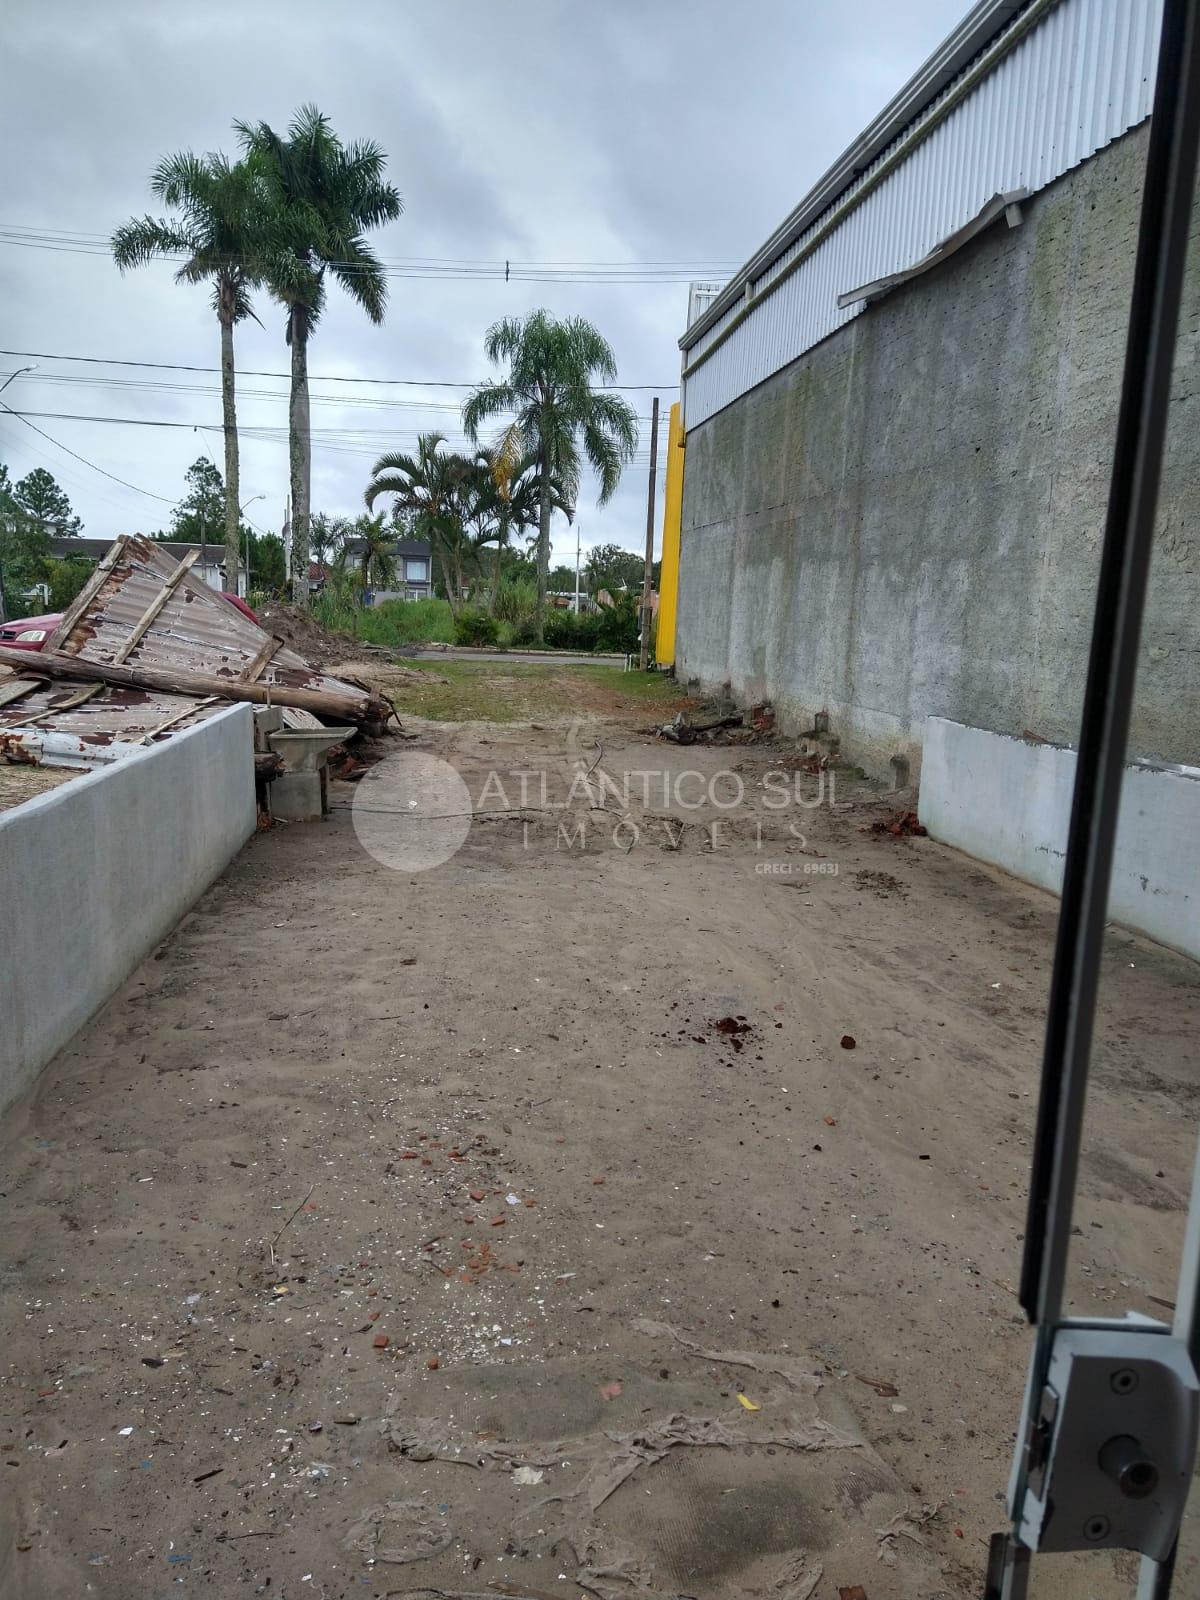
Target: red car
[(29, 633), (32, 633)]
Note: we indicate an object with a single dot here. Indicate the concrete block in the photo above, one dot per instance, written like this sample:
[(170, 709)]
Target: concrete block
[(95, 873), (1008, 801)]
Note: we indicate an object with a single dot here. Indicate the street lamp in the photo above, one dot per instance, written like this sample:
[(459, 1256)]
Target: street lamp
[(242, 508), (16, 374)]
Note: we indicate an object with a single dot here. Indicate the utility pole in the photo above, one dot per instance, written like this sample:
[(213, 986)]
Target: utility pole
[(647, 584), (4, 617), (576, 569), (289, 578)]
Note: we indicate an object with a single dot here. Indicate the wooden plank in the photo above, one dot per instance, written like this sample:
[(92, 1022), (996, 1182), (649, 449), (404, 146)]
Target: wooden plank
[(87, 594), (76, 699), (348, 704), (14, 689), (254, 670), (155, 606), (178, 717)]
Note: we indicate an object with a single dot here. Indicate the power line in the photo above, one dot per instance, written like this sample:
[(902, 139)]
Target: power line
[(470, 269), (104, 473), (77, 235), (407, 383), (217, 427), (160, 386), (345, 441)]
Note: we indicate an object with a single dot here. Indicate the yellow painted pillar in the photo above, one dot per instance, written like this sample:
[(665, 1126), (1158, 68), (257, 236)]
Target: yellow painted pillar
[(668, 583)]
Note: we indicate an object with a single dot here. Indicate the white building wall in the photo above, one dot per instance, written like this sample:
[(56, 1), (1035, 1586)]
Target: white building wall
[(1064, 79)]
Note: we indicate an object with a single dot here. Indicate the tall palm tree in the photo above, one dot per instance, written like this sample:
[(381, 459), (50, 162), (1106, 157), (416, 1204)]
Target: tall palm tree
[(323, 195), (561, 418), (217, 235), (428, 486)]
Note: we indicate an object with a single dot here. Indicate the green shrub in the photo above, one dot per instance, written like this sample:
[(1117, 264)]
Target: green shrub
[(516, 600), (524, 634), (618, 629), (475, 628), (566, 631)]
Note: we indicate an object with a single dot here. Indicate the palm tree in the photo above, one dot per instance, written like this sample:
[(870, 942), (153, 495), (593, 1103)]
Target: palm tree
[(518, 491), (551, 369), (428, 486), (377, 551), (326, 534), (323, 195), (217, 236)]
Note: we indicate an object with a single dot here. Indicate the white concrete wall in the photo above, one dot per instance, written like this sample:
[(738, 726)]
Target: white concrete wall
[(1008, 801), (94, 873)]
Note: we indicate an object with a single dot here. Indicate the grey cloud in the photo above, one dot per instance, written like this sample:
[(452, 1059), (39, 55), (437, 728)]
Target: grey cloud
[(538, 129)]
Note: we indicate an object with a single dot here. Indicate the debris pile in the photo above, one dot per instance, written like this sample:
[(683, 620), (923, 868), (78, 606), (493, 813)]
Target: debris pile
[(752, 726), (146, 649), (302, 632), (903, 825)]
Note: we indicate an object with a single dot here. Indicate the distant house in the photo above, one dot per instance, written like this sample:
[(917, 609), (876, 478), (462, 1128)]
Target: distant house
[(414, 570), (209, 564)]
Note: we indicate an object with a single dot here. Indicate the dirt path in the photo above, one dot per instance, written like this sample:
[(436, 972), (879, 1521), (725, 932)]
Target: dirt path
[(505, 1116)]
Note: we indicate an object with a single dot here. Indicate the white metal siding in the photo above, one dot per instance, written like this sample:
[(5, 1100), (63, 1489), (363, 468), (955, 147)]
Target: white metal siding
[(700, 297), (1079, 78)]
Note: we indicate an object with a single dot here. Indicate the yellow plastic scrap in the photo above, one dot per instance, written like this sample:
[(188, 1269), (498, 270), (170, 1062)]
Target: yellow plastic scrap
[(747, 1402)]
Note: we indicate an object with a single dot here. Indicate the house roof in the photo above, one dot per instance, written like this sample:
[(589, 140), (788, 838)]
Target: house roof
[(402, 547), (94, 549)]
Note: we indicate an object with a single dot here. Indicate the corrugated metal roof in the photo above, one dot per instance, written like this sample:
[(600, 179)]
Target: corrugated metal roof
[(113, 716), (196, 629), (1065, 78)]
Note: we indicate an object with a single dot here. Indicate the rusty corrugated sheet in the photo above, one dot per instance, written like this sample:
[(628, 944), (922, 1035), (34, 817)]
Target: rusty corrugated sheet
[(115, 715), (196, 629)]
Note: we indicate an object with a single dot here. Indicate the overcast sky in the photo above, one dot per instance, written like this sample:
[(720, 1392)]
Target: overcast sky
[(564, 131)]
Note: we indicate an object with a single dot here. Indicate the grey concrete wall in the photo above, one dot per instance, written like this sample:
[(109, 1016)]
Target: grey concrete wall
[(94, 873), (1008, 801), (906, 521)]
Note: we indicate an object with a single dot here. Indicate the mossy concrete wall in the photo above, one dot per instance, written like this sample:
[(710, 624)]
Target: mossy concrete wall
[(906, 521)]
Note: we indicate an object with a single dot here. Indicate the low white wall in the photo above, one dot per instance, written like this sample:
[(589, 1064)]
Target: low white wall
[(1008, 801), (94, 873)]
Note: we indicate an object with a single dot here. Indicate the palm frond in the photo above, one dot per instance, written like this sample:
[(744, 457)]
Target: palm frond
[(491, 399), (143, 238), (505, 457)]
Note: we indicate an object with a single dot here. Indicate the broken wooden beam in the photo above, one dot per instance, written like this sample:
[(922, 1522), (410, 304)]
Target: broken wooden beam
[(351, 707)]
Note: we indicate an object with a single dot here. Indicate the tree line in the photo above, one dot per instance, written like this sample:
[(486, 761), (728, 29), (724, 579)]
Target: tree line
[(290, 215), (479, 515)]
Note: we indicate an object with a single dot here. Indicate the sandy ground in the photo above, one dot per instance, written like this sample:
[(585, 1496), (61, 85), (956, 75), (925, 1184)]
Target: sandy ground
[(20, 782), (412, 1233)]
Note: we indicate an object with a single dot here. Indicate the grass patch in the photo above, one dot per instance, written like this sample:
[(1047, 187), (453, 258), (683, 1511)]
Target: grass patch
[(394, 623), (498, 691)]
